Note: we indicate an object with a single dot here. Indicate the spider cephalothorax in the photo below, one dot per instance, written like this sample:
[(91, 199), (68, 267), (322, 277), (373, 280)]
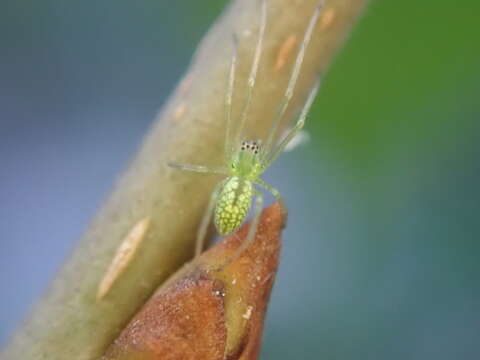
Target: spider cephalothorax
[(247, 163)]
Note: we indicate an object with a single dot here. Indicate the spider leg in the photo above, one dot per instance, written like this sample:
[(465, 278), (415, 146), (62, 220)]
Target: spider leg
[(277, 150), (199, 168), (253, 72), (271, 190), (207, 217), (228, 100), (294, 77)]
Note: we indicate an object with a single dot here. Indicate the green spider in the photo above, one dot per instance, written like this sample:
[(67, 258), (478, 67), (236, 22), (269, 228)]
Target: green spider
[(245, 161)]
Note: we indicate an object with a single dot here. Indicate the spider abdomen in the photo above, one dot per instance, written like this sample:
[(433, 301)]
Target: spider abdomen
[(233, 204)]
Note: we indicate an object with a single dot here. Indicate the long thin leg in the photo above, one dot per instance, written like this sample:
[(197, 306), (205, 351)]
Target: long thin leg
[(207, 217), (199, 168), (270, 189), (252, 230), (253, 72), (272, 156), (293, 78), (228, 101)]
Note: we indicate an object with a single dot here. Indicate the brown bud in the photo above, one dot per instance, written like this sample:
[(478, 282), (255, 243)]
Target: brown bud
[(208, 311)]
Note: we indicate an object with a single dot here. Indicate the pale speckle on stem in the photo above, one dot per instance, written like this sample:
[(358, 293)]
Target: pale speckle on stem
[(328, 18), (123, 256), (285, 51)]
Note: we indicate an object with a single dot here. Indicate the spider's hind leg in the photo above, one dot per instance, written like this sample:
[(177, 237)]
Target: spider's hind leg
[(273, 191), (207, 217)]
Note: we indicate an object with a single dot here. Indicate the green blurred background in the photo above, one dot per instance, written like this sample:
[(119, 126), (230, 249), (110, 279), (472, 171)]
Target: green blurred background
[(381, 252)]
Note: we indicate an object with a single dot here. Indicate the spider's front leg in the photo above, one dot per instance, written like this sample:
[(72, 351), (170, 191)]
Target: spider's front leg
[(199, 168), (273, 153)]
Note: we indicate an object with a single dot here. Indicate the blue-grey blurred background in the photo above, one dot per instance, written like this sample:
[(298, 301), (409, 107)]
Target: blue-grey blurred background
[(381, 254)]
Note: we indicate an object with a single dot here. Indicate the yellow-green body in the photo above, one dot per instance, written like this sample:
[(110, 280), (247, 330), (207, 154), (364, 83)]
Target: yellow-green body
[(235, 197), (233, 204)]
